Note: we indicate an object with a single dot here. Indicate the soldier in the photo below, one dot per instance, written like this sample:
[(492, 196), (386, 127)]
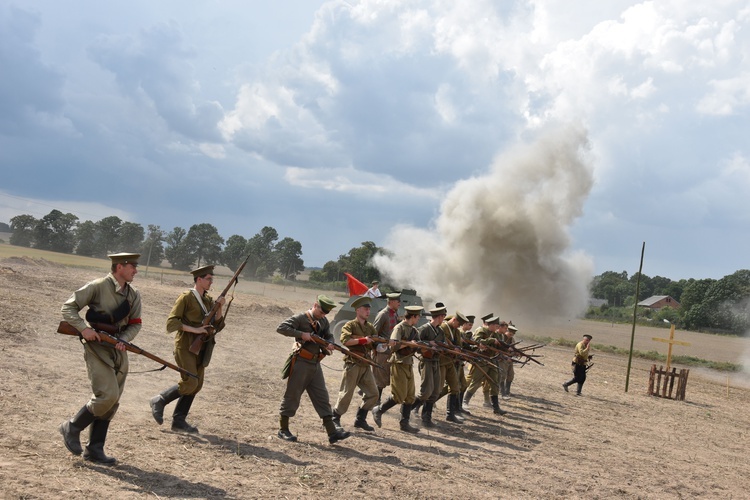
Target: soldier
[(449, 366), (384, 323), (488, 336), (186, 318), (507, 374), (303, 368), (580, 360), (402, 371), (357, 336), (111, 301), (463, 382), (429, 367)]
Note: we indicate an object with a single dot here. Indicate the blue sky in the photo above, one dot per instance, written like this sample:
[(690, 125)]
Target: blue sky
[(336, 121)]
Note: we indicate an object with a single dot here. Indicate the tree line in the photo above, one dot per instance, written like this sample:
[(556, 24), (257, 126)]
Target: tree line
[(720, 305), (183, 249)]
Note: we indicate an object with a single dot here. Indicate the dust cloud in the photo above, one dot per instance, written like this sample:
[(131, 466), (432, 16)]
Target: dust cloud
[(501, 241)]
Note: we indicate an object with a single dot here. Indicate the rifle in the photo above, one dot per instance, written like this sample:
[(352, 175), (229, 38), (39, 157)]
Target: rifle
[(498, 353), (68, 329), (197, 344), (463, 354), (320, 340)]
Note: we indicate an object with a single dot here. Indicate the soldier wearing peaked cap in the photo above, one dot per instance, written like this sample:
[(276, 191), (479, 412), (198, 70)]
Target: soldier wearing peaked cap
[(302, 369), (429, 366), (402, 370), (357, 335), (580, 360), (462, 379), (507, 373), (488, 335), (186, 320), (384, 323), (113, 303), (449, 367)]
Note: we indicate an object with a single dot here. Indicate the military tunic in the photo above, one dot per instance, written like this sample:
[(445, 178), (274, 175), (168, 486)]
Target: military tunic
[(188, 311), (429, 367), (306, 373), (106, 366), (580, 360), (448, 366), (357, 374), (484, 336), (402, 365), (384, 323)]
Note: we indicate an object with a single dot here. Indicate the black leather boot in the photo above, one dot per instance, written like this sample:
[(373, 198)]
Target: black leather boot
[(418, 403), (161, 400), (180, 414), (427, 414), (496, 406), (377, 412), (580, 387), (284, 432), (380, 394), (452, 414), (335, 434), (404, 422), (94, 451), (507, 389), (336, 419), (71, 430), (360, 422)]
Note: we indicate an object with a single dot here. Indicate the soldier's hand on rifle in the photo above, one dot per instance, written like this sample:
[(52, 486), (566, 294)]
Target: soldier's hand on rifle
[(330, 349), (120, 346), (306, 336), (90, 335)]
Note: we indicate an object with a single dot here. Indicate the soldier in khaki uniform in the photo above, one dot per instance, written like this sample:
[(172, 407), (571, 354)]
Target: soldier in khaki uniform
[(488, 335), (507, 373), (186, 317), (357, 336), (111, 301), (429, 366), (402, 371), (462, 380), (385, 321), (580, 360), (303, 368), (448, 366)]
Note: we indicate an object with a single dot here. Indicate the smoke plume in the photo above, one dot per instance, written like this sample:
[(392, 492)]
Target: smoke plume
[(501, 241)]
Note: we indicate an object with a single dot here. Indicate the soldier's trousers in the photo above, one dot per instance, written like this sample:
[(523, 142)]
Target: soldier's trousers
[(306, 375), (356, 375), (402, 383), (478, 377), (429, 389), (107, 370)]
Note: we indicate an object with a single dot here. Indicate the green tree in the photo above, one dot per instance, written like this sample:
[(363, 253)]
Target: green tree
[(153, 246), (204, 243), (23, 230), (357, 262), (85, 239), (234, 251), (131, 236), (260, 248), (288, 256), (5, 228), (108, 235), (177, 252)]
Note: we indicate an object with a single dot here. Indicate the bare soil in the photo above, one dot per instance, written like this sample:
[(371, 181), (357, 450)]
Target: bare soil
[(606, 444)]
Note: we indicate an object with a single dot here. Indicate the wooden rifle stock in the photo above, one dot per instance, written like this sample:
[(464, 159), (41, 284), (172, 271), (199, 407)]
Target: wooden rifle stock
[(320, 340), (197, 344), (67, 329)]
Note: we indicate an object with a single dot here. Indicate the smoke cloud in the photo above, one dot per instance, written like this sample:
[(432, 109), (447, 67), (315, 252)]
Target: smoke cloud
[(501, 241)]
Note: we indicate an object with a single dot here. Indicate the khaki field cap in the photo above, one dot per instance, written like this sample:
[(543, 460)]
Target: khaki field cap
[(512, 329), (493, 320), (414, 309), (393, 296), (461, 317), (326, 303), (439, 310), (375, 283), (587, 336), (363, 301), (202, 271), (488, 316), (470, 319), (124, 258)]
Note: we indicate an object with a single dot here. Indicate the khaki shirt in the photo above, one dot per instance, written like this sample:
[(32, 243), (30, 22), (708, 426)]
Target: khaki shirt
[(299, 323), (105, 295), (186, 310), (581, 356), (405, 355), (355, 330)]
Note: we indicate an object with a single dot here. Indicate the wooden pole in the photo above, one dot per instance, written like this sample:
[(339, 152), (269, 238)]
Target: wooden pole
[(669, 351), (635, 310)]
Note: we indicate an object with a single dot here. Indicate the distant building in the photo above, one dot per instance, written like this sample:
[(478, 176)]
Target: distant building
[(598, 302), (656, 302)]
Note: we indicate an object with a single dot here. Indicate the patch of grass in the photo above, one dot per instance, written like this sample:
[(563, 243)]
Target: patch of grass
[(723, 366)]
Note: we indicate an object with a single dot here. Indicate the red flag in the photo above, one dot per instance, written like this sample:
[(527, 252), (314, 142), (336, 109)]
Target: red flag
[(355, 286)]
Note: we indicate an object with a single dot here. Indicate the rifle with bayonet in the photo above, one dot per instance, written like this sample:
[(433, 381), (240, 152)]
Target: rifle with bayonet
[(106, 334), (323, 342), (197, 344)]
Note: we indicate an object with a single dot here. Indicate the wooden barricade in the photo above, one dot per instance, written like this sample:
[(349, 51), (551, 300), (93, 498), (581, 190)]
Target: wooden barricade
[(661, 383)]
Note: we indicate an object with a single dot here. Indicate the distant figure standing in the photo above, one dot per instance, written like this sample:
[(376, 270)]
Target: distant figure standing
[(580, 360), (373, 291), (111, 302)]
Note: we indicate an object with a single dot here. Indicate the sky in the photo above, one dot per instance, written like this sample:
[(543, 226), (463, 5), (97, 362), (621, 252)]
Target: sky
[(554, 136)]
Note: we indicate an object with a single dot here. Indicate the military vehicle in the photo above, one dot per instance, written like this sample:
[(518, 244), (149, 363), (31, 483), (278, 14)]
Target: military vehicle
[(347, 312)]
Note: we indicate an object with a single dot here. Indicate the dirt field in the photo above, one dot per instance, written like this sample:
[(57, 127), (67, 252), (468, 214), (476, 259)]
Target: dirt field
[(606, 444)]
